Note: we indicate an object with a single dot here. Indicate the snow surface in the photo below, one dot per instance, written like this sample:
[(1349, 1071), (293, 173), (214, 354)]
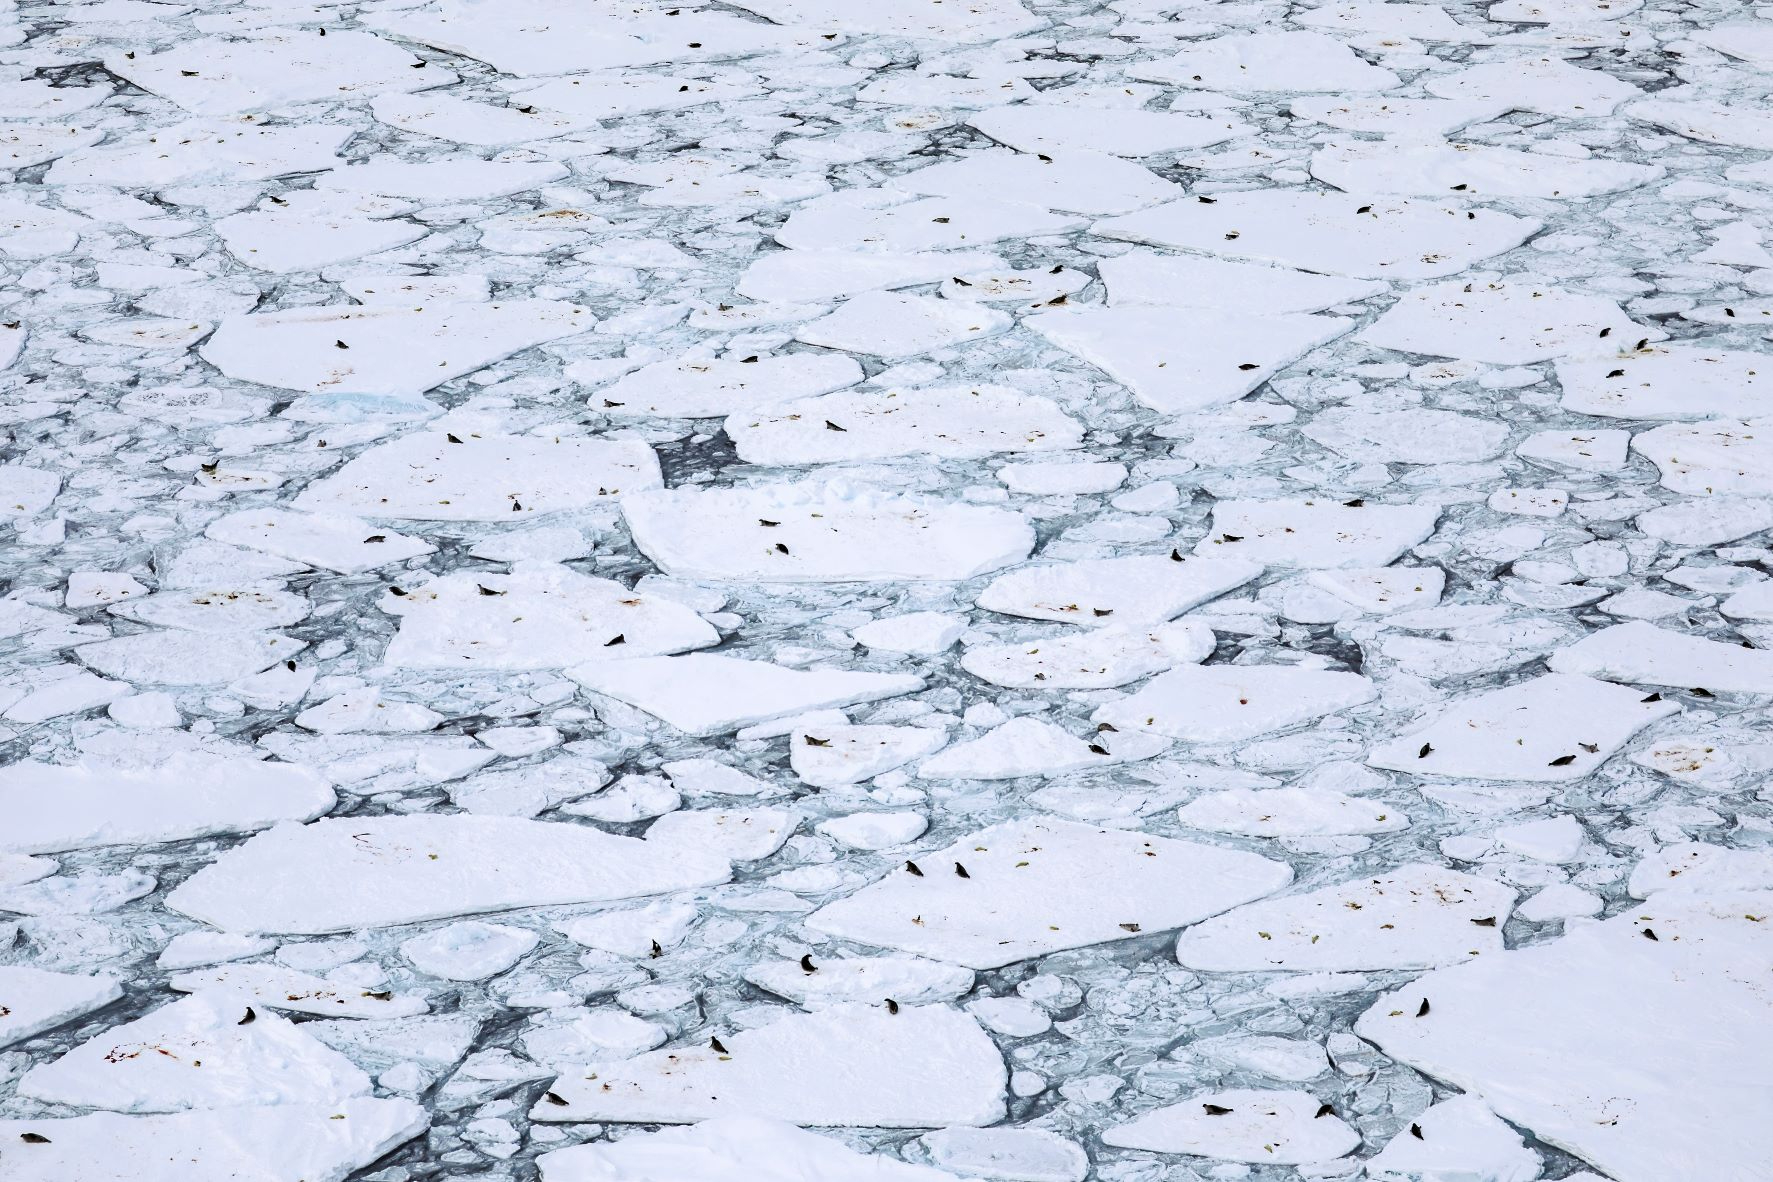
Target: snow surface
[(989, 575)]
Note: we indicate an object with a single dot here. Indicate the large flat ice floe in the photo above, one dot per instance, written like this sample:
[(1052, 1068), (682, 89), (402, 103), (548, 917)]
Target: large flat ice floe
[(867, 1065), (822, 533), (1038, 886), (1414, 917), (1561, 726), (384, 350), (959, 422), (197, 1054), (35, 1000), (302, 1142), (710, 693), (440, 476), (540, 616), (338, 875), (1624, 1042), (1335, 233), (1242, 1125), (1228, 703), (55, 807), (1106, 592)]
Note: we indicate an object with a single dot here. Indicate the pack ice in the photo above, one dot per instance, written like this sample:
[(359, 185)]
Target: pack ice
[(768, 590)]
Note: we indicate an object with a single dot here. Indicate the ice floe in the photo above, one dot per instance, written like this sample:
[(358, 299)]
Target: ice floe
[(1038, 886), (395, 870)]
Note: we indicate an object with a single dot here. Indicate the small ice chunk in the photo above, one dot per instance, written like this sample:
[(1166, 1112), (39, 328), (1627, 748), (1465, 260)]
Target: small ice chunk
[(347, 545), (189, 950), (1008, 1154), (1176, 362), (54, 807), (383, 349), (1643, 654), (738, 835), (832, 756), (874, 831), (954, 422), (1269, 63), (704, 387), (893, 325), (1560, 900), (1292, 1059), (1516, 322), (1554, 839), (915, 632), (1331, 233), (1062, 478), (469, 950), (1708, 869)]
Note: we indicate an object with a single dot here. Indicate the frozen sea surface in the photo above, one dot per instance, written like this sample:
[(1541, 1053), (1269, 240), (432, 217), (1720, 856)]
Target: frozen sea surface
[(886, 591)]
